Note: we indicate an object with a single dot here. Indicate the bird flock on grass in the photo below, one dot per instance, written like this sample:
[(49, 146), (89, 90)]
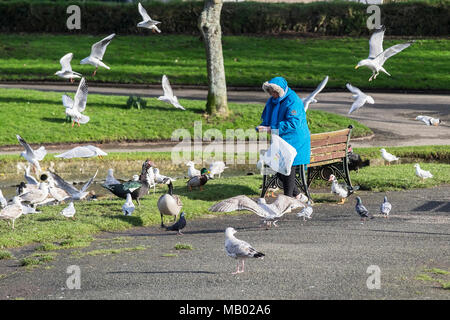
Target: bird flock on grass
[(52, 188)]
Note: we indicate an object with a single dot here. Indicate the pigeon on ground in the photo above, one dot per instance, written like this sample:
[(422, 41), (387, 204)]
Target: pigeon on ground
[(66, 69), (359, 97), (32, 156), (361, 210), (12, 211), (97, 52), (239, 249), (82, 152), (377, 57), (74, 108), (306, 212), (128, 207), (69, 211), (388, 156), (385, 208), (147, 22), (179, 225), (168, 96), (429, 121), (312, 97), (422, 174)]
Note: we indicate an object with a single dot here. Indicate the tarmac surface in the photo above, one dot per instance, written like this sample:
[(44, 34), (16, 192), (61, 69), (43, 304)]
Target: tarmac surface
[(331, 256)]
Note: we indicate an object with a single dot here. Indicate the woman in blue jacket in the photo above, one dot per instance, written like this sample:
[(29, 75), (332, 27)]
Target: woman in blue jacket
[(284, 114)]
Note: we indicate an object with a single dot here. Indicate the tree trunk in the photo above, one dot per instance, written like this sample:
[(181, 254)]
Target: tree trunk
[(209, 24)]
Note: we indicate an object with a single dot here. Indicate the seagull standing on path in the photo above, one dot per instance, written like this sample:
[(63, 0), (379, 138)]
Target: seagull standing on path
[(147, 22), (359, 97), (377, 57), (388, 156), (239, 249), (32, 156), (312, 97), (97, 52), (168, 96), (66, 69), (74, 108)]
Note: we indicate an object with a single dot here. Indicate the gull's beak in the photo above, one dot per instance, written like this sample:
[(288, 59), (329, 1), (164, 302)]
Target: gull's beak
[(356, 67)]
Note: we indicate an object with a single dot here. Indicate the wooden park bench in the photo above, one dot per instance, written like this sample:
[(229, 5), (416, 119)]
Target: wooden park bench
[(328, 156)]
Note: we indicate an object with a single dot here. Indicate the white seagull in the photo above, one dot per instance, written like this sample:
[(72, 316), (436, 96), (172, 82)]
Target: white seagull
[(147, 22), (217, 167), (388, 156), (239, 249), (312, 97), (97, 52), (12, 211), (168, 96), (269, 212), (192, 172), (110, 178), (74, 193), (58, 194), (74, 108), (429, 121), (385, 207), (359, 97), (377, 57), (82, 152), (3, 201), (422, 174), (159, 178), (36, 196), (32, 156), (66, 70), (69, 211), (128, 207)]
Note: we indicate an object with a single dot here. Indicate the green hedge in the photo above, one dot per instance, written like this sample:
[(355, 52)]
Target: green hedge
[(420, 18)]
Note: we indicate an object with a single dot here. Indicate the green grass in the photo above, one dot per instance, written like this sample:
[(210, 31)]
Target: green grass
[(433, 153), (4, 255), (106, 215), (249, 61), (183, 246), (39, 118)]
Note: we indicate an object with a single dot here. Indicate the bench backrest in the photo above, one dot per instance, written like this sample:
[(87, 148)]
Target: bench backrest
[(329, 147)]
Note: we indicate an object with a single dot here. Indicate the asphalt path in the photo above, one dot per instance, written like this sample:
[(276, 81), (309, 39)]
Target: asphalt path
[(327, 257), (392, 117)]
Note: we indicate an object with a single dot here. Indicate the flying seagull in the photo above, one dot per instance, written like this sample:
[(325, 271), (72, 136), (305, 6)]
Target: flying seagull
[(269, 212), (29, 178), (385, 207), (66, 69), (377, 57), (73, 192), (168, 96), (32, 156), (239, 249), (75, 108), (82, 152), (97, 52), (312, 97), (359, 97), (429, 121), (147, 22)]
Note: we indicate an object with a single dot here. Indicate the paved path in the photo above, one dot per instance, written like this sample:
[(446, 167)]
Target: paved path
[(392, 118), (326, 257)]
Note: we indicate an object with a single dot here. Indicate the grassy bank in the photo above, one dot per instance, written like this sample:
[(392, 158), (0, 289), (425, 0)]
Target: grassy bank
[(39, 118), (249, 61)]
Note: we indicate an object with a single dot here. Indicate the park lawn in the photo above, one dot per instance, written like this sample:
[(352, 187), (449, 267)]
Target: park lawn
[(92, 217), (249, 60), (39, 117)]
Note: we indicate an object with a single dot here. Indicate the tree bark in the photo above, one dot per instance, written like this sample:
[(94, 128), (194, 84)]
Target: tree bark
[(209, 24)]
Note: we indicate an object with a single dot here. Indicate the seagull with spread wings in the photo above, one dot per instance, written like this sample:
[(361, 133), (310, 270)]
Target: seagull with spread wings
[(97, 52), (168, 96), (74, 108), (360, 98), (312, 97), (378, 56), (66, 69), (32, 156), (88, 151), (73, 192), (147, 22)]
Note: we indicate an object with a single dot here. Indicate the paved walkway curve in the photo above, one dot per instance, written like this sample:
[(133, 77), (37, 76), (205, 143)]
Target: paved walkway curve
[(392, 117)]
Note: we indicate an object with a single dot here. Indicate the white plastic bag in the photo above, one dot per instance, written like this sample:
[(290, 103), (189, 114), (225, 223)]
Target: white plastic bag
[(280, 155)]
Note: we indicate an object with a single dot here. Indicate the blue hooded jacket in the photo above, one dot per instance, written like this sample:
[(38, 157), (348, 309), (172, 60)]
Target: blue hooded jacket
[(287, 114)]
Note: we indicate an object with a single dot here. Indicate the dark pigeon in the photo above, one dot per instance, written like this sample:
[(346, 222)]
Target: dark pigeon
[(361, 210), (179, 225)]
